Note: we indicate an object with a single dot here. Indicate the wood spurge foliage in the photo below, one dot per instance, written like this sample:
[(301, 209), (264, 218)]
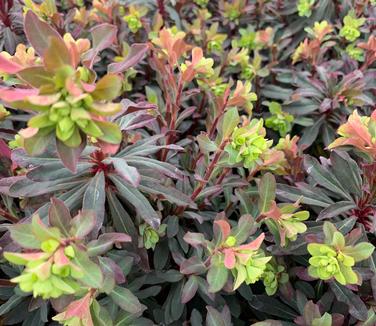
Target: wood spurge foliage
[(177, 162)]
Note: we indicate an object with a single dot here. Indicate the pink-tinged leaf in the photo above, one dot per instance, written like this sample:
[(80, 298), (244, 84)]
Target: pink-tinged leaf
[(88, 87), (16, 94), (254, 245), (193, 265), (230, 259), (224, 227), (116, 270), (9, 66), (43, 100), (59, 215), (136, 54), (108, 148), (128, 173), (5, 150), (60, 259), (38, 32), (104, 35), (130, 107), (68, 155), (79, 309)]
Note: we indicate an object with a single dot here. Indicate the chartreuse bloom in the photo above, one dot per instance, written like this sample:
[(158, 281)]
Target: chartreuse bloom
[(354, 52), (3, 112), (149, 236), (335, 259), (305, 7), (201, 3), (279, 121), (274, 275), (351, 24), (49, 272), (247, 144), (133, 19)]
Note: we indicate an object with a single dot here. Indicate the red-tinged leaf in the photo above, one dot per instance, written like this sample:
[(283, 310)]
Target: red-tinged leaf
[(225, 228), (229, 260), (136, 54), (43, 100), (60, 259), (23, 258), (254, 245), (105, 242), (59, 215), (189, 290), (78, 309), (56, 55), (68, 155), (16, 94), (36, 76), (4, 149), (8, 66), (41, 231), (83, 224), (38, 32)]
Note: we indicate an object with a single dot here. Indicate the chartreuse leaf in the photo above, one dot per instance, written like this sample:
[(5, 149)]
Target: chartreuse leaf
[(217, 276), (93, 277)]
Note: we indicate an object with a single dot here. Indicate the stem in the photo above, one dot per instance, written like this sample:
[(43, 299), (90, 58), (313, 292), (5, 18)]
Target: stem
[(209, 170), (8, 216)]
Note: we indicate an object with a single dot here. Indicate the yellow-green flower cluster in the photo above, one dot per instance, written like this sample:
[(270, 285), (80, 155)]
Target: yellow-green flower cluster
[(273, 276), (354, 52), (305, 7), (201, 3), (48, 273), (247, 144), (133, 19), (150, 237), (334, 259), (279, 121), (351, 24)]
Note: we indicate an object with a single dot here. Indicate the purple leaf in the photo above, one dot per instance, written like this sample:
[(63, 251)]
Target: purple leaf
[(136, 54), (68, 155)]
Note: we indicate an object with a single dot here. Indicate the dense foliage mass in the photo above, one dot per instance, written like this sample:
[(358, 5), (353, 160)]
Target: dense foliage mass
[(178, 162)]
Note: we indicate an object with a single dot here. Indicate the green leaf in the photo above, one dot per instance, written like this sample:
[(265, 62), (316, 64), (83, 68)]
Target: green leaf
[(230, 120), (12, 302), (360, 252), (83, 224), (336, 209), (59, 216), (214, 317), (266, 187), (36, 76), (111, 132), (93, 277), (126, 300), (23, 235), (189, 289), (56, 55), (217, 277)]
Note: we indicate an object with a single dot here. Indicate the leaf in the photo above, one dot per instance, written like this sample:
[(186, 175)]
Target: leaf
[(111, 132), (95, 198), (9, 66), (310, 133), (93, 277), (189, 289), (193, 265), (136, 54), (83, 224), (23, 235), (68, 155), (217, 277), (36, 76), (266, 187), (59, 216), (56, 55), (230, 120), (129, 173), (357, 308), (126, 300), (336, 209), (105, 243), (323, 177), (107, 88), (38, 32), (12, 302), (138, 201), (214, 318), (242, 231)]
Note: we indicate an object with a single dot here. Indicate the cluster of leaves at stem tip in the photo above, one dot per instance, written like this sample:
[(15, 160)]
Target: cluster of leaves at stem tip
[(187, 162)]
